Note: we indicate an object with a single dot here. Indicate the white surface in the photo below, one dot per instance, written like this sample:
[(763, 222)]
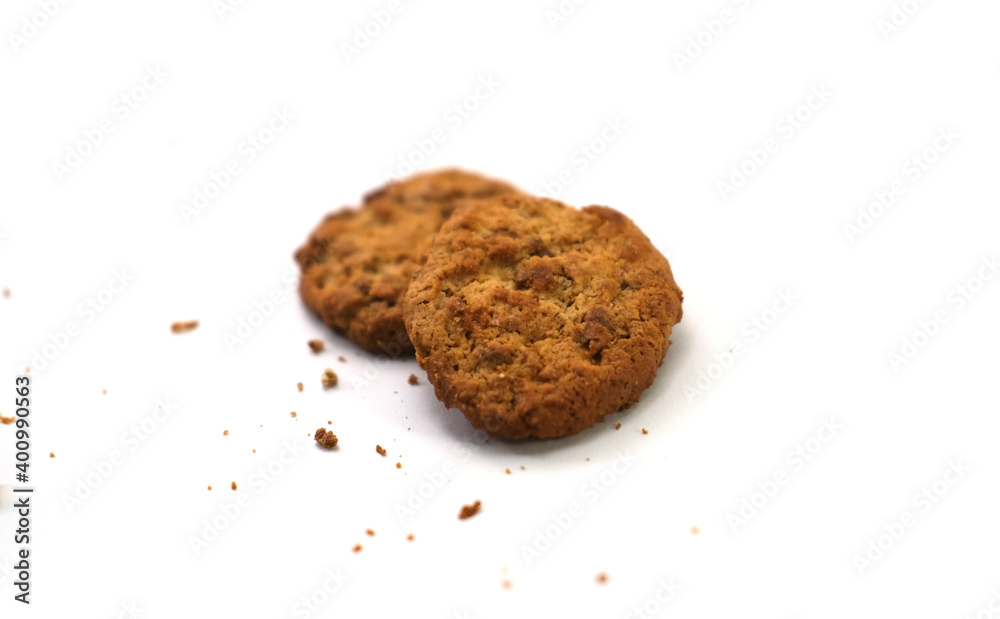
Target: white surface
[(827, 356)]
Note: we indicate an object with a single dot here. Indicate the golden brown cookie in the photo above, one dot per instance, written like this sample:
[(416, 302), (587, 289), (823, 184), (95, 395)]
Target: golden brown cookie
[(358, 262), (536, 319)]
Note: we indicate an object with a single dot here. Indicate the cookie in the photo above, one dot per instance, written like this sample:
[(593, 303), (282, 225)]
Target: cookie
[(536, 319), (358, 263)]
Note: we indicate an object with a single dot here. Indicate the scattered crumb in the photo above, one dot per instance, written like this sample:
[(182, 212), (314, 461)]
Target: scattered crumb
[(409, 537), (233, 485), (370, 532), (508, 471), (326, 438), (299, 385), (645, 431), (225, 433), (588, 459), (52, 455), (7, 420), (506, 584), (695, 530), (602, 578), (468, 511), (104, 392), (357, 548), (210, 487), (316, 346), (342, 359), (522, 467), (329, 378), (380, 450), (618, 427), (413, 379), (399, 465), (255, 451), (6, 293), (182, 327)]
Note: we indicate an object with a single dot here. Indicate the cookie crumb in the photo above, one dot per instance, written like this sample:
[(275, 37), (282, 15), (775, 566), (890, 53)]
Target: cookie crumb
[(299, 385), (52, 455), (413, 380), (184, 326), (255, 451), (618, 427), (695, 530), (357, 548), (232, 485), (104, 392), (602, 578), (506, 584), (409, 537), (7, 420), (329, 378), (399, 465), (522, 467), (645, 431), (326, 438), (380, 450), (210, 487), (468, 511), (370, 532), (508, 471), (316, 346), (6, 293), (225, 433), (342, 359), (294, 415)]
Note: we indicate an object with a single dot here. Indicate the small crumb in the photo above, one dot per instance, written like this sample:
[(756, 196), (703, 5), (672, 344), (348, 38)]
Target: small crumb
[(506, 584), (413, 379), (357, 548), (618, 427), (329, 423), (508, 471), (695, 530), (182, 327), (399, 465), (104, 392), (299, 385), (342, 359), (7, 420), (602, 578), (588, 459), (233, 485), (210, 487), (294, 415), (370, 532), (468, 511), (522, 467), (645, 431), (52, 455), (326, 438), (409, 537), (255, 451), (316, 346), (225, 433), (329, 378), (6, 293), (380, 450)]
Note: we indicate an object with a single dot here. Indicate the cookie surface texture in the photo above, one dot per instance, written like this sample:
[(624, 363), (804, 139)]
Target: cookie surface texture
[(357, 264), (536, 319)]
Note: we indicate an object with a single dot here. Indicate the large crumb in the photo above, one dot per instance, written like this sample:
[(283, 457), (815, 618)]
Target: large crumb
[(645, 431), (182, 327), (329, 378), (413, 379), (380, 450), (468, 511), (316, 346), (7, 420), (325, 438)]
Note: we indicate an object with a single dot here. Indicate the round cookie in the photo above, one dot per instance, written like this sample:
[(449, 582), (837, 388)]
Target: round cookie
[(536, 319), (358, 263)]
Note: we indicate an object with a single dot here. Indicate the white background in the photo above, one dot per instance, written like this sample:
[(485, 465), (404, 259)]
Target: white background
[(686, 124)]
